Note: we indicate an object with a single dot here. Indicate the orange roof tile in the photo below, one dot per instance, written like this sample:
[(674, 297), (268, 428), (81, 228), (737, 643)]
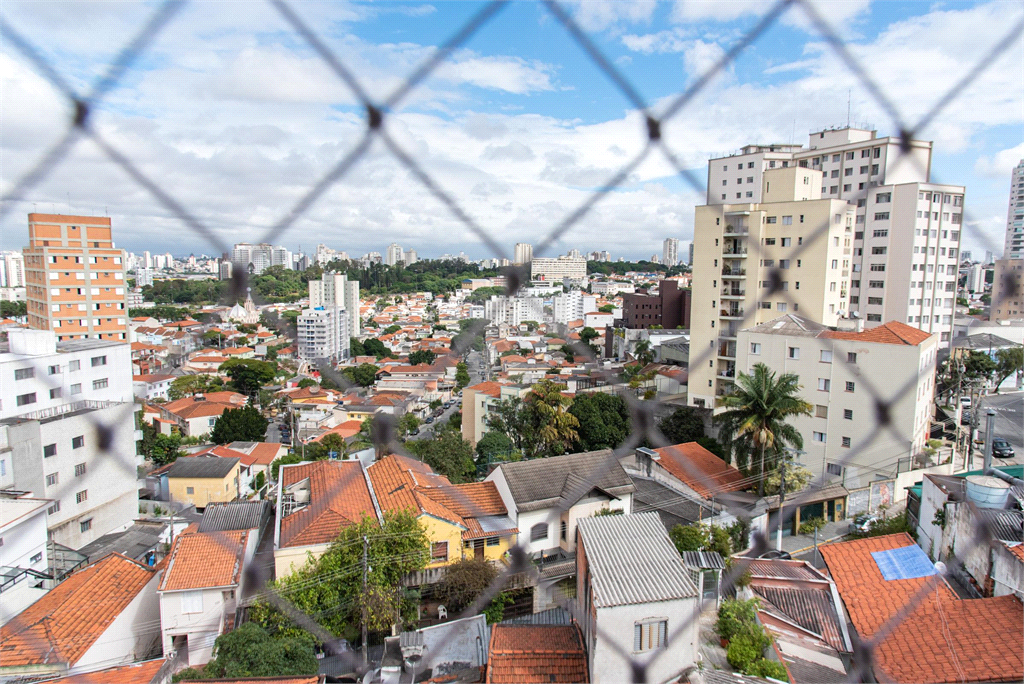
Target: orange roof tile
[(205, 559), (892, 332), (523, 654), (136, 673), (940, 639), (1017, 550), (62, 625), (489, 388), (700, 469), (349, 428), (286, 679), (469, 500), (338, 497)]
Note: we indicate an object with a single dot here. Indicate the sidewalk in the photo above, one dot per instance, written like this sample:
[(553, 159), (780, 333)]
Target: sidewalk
[(801, 543)]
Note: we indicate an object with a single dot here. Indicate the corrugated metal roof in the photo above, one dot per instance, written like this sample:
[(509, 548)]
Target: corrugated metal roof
[(201, 466), (809, 607), (551, 616), (1006, 525), (234, 515), (707, 560), (632, 560)]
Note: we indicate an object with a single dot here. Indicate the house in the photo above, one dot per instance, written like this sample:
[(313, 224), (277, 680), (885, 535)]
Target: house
[(200, 590), (196, 415), (254, 458), (151, 386), (939, 636), (201, 481), (532, 654), (101, 615), (315, 502), (156, 671), (448, 651), (478, 400), (22, 552), (633, 595)]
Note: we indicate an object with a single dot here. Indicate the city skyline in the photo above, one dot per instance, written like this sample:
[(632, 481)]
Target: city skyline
[(519, 129)]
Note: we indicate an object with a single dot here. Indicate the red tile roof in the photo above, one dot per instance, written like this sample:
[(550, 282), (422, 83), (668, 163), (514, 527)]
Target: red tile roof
[(892, 332), (349, 428), (940, 639), (213, 403), (1017, 550), (700, 469), (524, 654), (62, 625), (201, 560), (492, 389), (338, 497), (136, 673)]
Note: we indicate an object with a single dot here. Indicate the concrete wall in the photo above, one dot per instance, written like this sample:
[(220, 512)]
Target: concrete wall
[(202, 628), (290, 559), (1007, 572), (134, 634), (205, 490), (616, 627)]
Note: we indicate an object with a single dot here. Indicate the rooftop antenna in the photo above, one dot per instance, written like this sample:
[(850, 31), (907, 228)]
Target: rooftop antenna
[(847, 108)]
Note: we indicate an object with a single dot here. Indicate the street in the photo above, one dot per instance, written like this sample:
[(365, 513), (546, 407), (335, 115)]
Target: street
[(1009, 408), (475, 376)]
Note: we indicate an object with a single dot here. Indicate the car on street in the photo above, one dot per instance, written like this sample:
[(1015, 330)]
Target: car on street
[(776, 553), (862, 523), (965, 417), (965, 402), (430, 419), (1001, 448)]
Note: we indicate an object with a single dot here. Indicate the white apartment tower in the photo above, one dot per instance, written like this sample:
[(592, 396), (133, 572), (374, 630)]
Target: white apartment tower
[(523, 253), (12, 269), (899, 212), (323, 334), (393, 254), (336, 290), (1014, 246), (670, 252)]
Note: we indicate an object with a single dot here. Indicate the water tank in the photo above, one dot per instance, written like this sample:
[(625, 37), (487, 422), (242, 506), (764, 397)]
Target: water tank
[(986, 491)]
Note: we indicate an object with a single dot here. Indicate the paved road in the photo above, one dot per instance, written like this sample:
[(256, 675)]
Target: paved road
[(1009, 425), (475, 376)]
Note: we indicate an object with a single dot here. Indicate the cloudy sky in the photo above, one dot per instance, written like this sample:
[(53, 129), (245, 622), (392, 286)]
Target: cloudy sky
[(236, 117)]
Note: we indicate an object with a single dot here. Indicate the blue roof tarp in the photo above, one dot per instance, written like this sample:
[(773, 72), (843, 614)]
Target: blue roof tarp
[(908, 562)]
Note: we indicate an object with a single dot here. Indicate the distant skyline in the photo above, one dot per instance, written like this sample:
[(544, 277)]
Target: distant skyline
[(235, 117)]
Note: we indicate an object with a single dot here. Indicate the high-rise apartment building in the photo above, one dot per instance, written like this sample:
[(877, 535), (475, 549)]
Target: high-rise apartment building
[(1014, 246), (572, 306), (393, 254), (670, 252), (1007, 290), (410, 257), (523, 253), (323, 334), (558, 268), (12, 269), (255, 259), (514, 310), (75, 278), (335, 290)]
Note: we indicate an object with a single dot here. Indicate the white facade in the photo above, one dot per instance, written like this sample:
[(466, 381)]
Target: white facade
[(12, 269), (257, 258), (976, 278), (523, 253), (38, 373), (610, 288), (393, 254), (558, 268), (336, 290), (1014, 245), (323, 334), (572, 306), (513, 310), (670, 252), (22, 552), (842, 379), (410, 257), (57, 454)]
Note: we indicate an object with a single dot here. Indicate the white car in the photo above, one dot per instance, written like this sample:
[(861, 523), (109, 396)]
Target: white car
[(965, 402)]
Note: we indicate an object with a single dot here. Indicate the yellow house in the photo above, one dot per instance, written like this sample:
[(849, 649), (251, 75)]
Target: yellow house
[(200, 480)]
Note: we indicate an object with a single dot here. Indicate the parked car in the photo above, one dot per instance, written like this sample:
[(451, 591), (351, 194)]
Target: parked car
[(965, 417), (965, 402), (863, 522), (430, 419), (776, 553), (1001, 448)]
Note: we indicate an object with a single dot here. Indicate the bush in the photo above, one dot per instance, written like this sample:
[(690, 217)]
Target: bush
[(689, 537), (811, 524), (734, 616), (893, 525), (767, 668), (743, 651)]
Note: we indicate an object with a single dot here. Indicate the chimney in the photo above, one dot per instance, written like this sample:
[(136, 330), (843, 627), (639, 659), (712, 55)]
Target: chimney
[(853, 323)]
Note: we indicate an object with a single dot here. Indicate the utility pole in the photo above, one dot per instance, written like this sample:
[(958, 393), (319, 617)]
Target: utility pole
[(366, 654), (990, 425), (782, 498)]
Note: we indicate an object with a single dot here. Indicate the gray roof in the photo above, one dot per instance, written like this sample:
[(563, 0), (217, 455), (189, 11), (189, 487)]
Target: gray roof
[(674, 508), (234, 515), (551, 616), (709, 560), (790, 324), (541, 482), (135, 542), (632, 560), (201, 466), (983, 341)]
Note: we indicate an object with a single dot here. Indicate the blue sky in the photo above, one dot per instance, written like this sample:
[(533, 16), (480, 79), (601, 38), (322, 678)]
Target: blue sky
[(235, 117)]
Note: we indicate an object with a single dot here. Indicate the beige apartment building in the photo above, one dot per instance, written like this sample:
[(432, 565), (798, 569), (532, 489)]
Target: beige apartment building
[(843, 371), (1007, 291), (75, 278), (794, 237)]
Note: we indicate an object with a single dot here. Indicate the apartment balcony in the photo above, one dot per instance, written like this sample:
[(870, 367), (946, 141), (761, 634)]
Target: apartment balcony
[(727, 373), (735, 253), (733, 293), (734, 272), (727, 351), (735, 231), (731, 313)]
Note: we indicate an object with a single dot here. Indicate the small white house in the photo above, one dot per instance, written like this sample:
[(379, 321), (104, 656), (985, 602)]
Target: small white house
[(635, 597), (22, 553)]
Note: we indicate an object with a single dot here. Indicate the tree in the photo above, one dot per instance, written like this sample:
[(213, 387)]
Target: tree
[(249, 651), (756, 415), (333, 443), (375, 347), (492, 445), (187, 385), (424, 356), (1008, 362), (159, 448), (557, 426), (462, 377), (365, 374), (464, 581), (391, 329), (287, 459), (588, 334), (249, 375), (603, 419), (607, 308), (797, 479), (308, 382), (331, 586), (978, 366), (448, 454), (643, 353), (688, 537), (13, 309), (245, 424), (355, 347), (407, 423), (682, 425), (214, 337)]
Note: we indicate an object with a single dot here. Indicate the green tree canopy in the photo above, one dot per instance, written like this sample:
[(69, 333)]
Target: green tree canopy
[(462, 377), (249, 375), (13, 309), (244, 424), (355, 347), (493, 445), (365, 374), (248, 651), (187, 385), (603, 419), (374, 347), (448, 454), (1008, 362), (682, 425), (422, 356)]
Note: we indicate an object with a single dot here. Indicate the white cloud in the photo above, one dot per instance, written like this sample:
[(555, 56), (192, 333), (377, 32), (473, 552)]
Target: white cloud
[(836, 12), (597, 15), (699, 57), (674, 40), (1001, 164), (511, 74)]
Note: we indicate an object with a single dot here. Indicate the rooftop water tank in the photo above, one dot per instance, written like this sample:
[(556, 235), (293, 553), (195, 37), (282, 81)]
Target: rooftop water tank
[(987, 491)]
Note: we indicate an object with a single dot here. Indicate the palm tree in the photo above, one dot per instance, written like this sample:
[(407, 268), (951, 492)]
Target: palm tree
[(756, 417), (557, 426), (642, 353)]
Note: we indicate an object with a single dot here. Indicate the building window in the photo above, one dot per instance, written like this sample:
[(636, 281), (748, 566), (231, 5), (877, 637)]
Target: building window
[(883, 198), (82, 496), (190, 490), (52, 370), (56, 392), (649, 635), (74, 365), (50, 450), (820, 411), (877, 267), (824, 384), (826, 356), (846, 443), (79, 469), (54, 508), (493, 541), (51, 479), (99, 361), (438, 551), (755, 348), (100, 384), (794, 352), (24, 373), (85, 525), (78, 442), (192, 601), (539, 532), (848, 414), (76, 389), (834, 469), (819, 437), (564, 529), (849, 385)]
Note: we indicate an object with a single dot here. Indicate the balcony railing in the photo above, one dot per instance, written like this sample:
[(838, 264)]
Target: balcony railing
[(731, 313), (736, 230), (734, 271), (734, 253), (733, 292)]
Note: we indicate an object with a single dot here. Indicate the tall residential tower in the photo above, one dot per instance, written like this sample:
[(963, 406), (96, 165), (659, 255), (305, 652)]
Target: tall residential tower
[(1014, 246)]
